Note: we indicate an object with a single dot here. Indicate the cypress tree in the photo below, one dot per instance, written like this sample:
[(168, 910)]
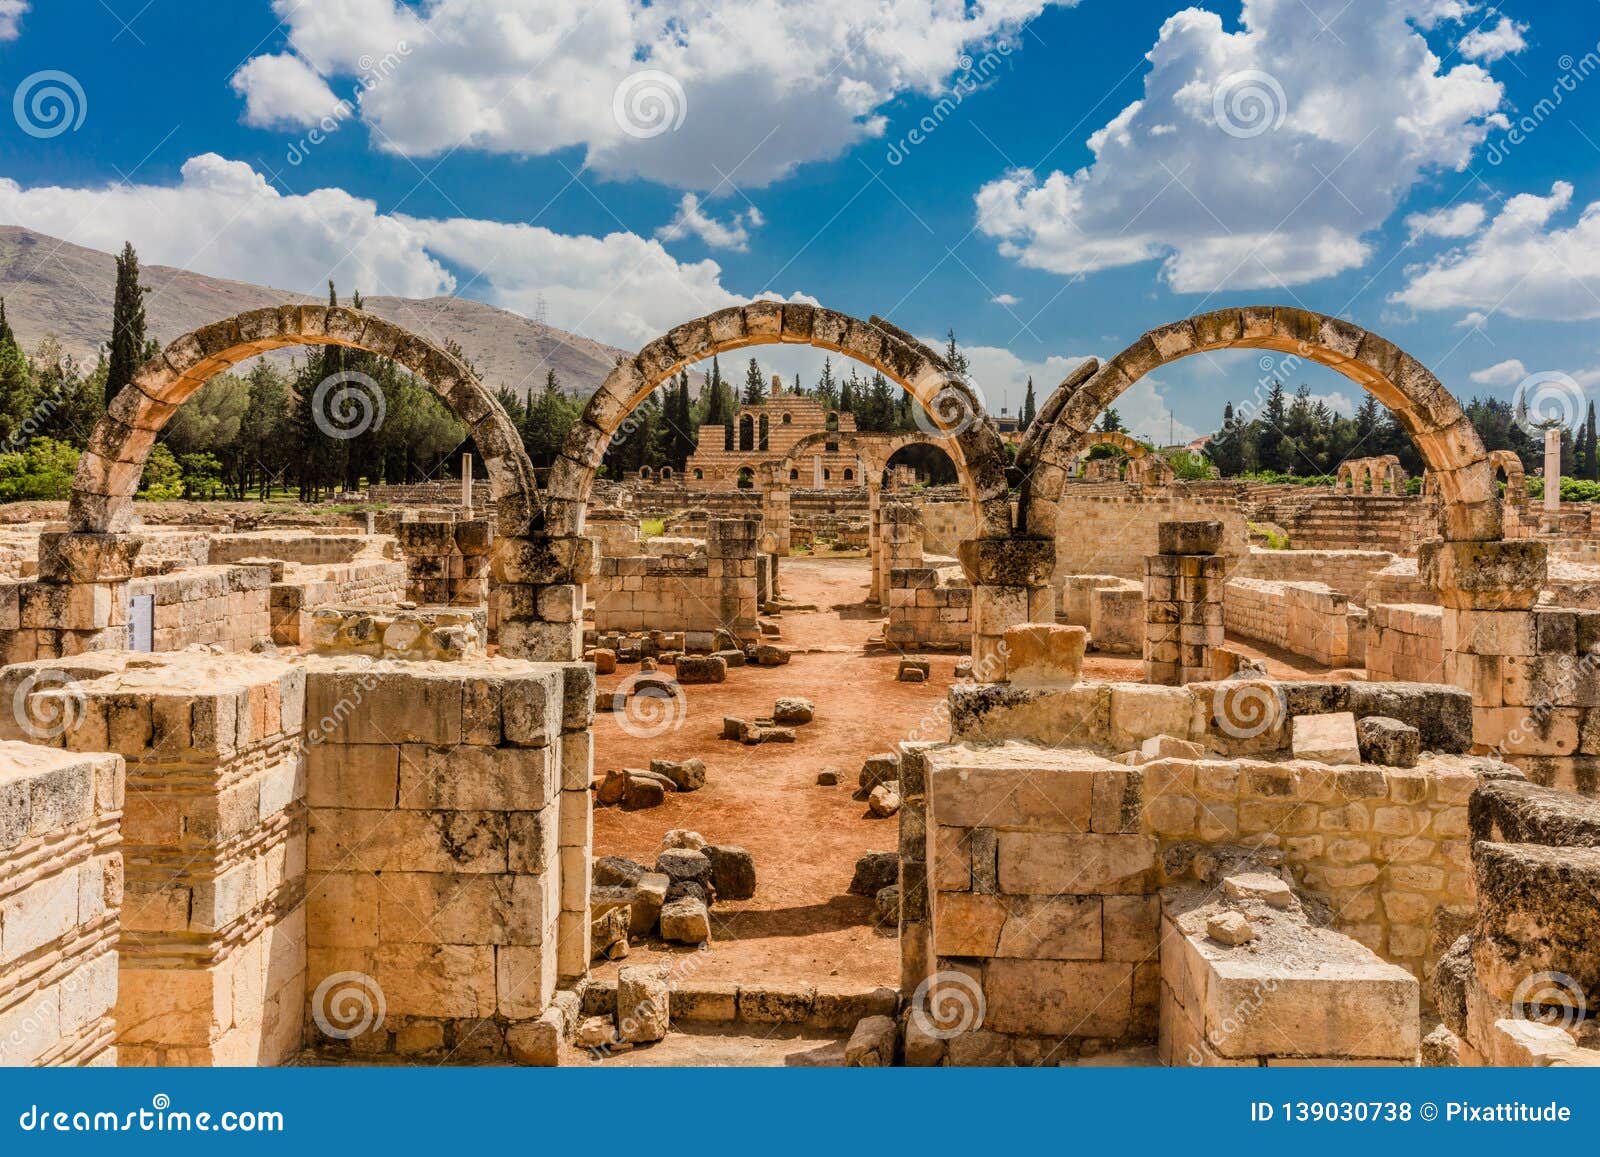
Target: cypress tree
[(127, 324), (755, 385), (1593, 458), (1028, 411)]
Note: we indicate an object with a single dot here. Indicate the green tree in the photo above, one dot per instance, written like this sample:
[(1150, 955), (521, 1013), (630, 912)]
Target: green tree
[(755, 385), (827, 391), (127, 324), (550, 415), (1111, 422), (1028, 410), (162, 479)]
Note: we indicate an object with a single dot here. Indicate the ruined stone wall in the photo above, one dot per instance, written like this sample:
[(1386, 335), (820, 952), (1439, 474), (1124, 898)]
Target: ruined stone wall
[(211, 956), (1310, 619), (946, 522), (298, 546), (224, 605), (303, 589), (60, 895), (1353, 573), (1039, 857), (447, 563), (1405, 641), (447, 865), (1112, 533), (684, 593), (924, 612)]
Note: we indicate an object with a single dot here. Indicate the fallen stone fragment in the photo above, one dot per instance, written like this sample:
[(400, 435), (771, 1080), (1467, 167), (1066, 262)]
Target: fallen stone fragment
[(1259, 886), (701, 669), (643, 1004), (872, 1043), (1170, 747), (874, 872), (829, 777), (609, 870), (888, 901), (1388, 742), (771, 655), (884, 799), (881, 768), (685, 775), (595, 1032), (642, 792), (686, 921), (605, 661), (681, 838), (792, 709), (1230, 928), (1327, 739), (733, 871)]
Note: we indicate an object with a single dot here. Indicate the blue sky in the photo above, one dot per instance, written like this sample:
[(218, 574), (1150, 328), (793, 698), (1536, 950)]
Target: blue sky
[(1083, 171)]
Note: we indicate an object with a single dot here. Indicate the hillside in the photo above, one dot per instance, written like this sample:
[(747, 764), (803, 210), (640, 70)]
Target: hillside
[(51, 286)]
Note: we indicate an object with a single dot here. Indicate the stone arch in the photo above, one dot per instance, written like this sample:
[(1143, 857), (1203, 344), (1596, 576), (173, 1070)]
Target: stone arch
[(109, 470), (764, 428), (1508, 464), (971, 438), (1427, 411)]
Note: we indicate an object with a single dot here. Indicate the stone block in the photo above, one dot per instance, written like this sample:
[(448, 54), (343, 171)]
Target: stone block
[(1328, 739)]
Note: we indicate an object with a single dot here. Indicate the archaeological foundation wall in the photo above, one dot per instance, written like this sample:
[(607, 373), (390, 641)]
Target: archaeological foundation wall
[(716, 589), (60, 892)]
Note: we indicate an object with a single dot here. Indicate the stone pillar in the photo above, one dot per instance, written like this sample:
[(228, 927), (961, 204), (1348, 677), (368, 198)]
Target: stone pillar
[(539, 588), (1492, 646), (466, 484), (1183, 587), (731, 561), (1010, 580), (79, 602), (896, 544), (878, 588), (1552, 480), (427, 548), (775, 514)]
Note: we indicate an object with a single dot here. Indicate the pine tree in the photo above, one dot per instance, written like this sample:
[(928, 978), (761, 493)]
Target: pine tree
[(1594, 456), (1028, 411), (850, 393), (127, 324), (6, 336), (1111, 422), (954, 357), (755, 385), (827, 391)]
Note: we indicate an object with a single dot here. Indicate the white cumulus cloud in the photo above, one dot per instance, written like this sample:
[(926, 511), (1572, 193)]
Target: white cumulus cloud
[(283, 90), (692, 220), (1523, 264), (1490, 44), (1005, 299), (1449, 221), (11, 14), (1297, 135), (746, 90), (224, 219), (1506, 373)]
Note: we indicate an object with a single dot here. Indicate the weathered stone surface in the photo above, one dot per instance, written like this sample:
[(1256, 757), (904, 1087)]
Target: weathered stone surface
[(888, 901), (1269, 889), (884, 800), (686, 775), (1044, 655), (881, 768), (614, 870), (686, 921), (1537, 914), (772, 1002), (1388, 742), (1516, 811), (643, 1004), (874, 872), (1177, 537), (923, 1048), (792, 710), (771, 655), (640, 792), (829, 777), (693, 669), (1327, 738), (872, 1044), (733, 871), (1230, 928)]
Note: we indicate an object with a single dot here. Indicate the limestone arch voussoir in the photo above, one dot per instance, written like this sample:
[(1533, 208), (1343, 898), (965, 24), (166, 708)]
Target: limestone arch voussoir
[(108, 472), (953, 405), (1427, 411)]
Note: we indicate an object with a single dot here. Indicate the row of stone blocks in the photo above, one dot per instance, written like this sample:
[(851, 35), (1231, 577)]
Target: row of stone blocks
[(60, 892), (338, 853)]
